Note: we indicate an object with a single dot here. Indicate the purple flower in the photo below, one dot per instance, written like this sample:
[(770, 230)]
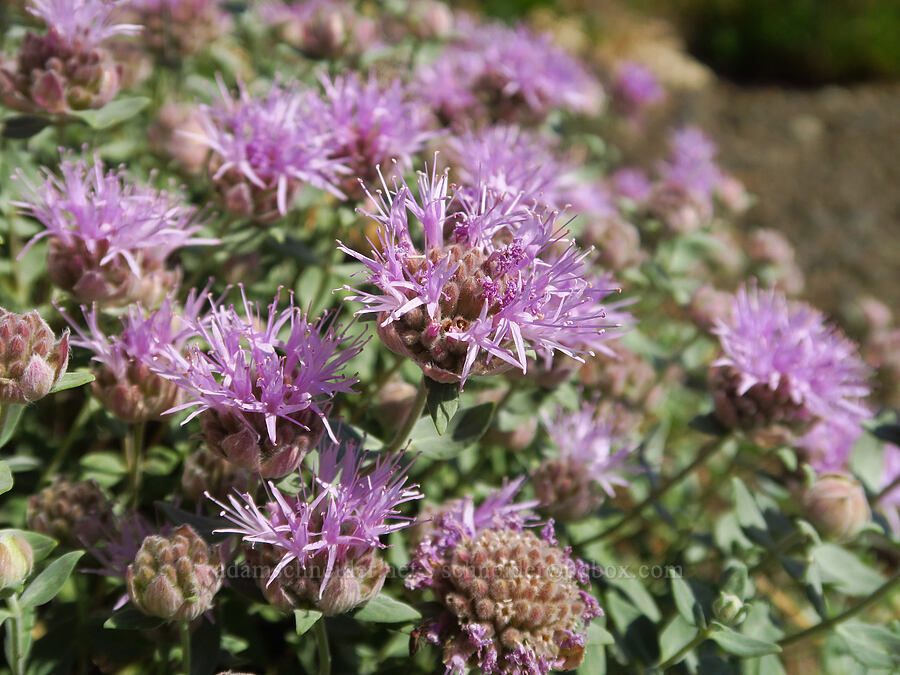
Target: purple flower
[(109, 237), (373, 124), (789, 361), (479, 293), (86, 22), (635, 87), (264, 384), (828, 444), (325, 530), (632, 184), (508, 73), (265, 148), (511, 599)]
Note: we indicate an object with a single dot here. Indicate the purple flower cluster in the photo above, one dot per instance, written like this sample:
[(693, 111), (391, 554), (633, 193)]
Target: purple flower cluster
[(505, 74), (86, 23), (264, 396), (109, 236), (787, 357), (479, 294), (265, 148), (635, 88), (373, 124)]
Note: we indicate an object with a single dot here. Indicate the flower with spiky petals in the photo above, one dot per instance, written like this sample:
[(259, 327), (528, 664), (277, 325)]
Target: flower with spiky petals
[(262, 384), (373, 125), (783, 363), (67, 68), (124, 381), (588, 466), (265, 148), (506, 74), (109, 237), (513, 601), (320, 547), (478, 294), (321, 29)]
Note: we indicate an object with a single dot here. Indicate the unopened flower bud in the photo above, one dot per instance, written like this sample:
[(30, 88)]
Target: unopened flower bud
[(837, 506), (75, 514), (176, 577), (566, 490), (393, 403), (205, 471), (32, 360), (16, 560), (729, 609)]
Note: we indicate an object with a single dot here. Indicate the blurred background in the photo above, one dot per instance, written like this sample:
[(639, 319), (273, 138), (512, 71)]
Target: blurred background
[(803, 98)]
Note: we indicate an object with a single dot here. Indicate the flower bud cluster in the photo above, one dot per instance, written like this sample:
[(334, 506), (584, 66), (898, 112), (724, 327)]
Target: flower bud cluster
[(32, 360), (74, 513)]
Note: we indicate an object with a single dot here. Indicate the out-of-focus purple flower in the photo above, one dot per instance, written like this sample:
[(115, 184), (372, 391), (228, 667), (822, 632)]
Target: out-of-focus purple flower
[(109, 237), (506, 74), (512, 602), (320, 546), (321, 29), (478, 294), (264, 396), (177, 28), (125, 383), (373, 124), (781, 362), (828, 444), (119, 543), (890, 502), (635, 88), (631, 184), (589, 465), (67, 68), (265, 148)]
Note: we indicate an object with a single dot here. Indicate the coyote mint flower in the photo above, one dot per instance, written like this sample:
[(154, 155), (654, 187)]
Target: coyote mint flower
[(76, 514), (320, 547), (109, 237), (263, 396), (16, 560), (32, 360), (781, 362), (176, 577), (512, 600), (477, 294)]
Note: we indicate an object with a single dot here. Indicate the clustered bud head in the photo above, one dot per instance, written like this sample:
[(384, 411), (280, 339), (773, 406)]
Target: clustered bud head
[(321, 29), (207, 471), (319, 549), (262, 385), (32, 360), (588, 466), (729, 609), (836, 504), (176, 577), (67, 68), (109, 237), (73, 513), (16, 560), (177, 28), (782, 363), (513, 601)]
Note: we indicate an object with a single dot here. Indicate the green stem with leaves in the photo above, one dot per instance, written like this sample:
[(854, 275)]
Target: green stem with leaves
[(677, 657), (322, 647), (415, 411), (657, 493), (16, 644), (186, 647), (828, 624)]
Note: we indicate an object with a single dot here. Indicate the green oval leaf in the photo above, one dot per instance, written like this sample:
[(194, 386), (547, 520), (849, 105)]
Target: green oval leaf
[(6, 479), (384, 609), (49, 582), (742, 645), (305, 619), (72, 379), (131, 618), (112, 113), (685, 602), (442, 401)]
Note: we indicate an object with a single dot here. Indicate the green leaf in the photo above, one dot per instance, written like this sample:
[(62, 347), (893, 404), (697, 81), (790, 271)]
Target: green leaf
[(107, 468), (6, 479), (131, 618), (741, 645), (872, 646), (305, 619), (13, 415), (598, 635), (384, 609), (161, 461), (442, 402), (466, 427), (4, 615), (49, 582), (24, 126), (40, 545), (748, 513), (72, 379), (736, 580), (675, 636), (686, 603), (596, 639), (847, 573), (112, 113)]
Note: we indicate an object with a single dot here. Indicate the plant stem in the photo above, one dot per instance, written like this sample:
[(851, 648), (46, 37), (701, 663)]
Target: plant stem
[(134, 443), (15, 647), (887, 489), (781, 546), (415, 411), (322, 647), (684, 651), (705, 453), (876, 595), (186, 647)]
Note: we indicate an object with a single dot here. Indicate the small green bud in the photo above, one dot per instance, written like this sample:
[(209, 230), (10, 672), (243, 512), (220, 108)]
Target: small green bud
[(837, 506), (16, 560), (729, 609)]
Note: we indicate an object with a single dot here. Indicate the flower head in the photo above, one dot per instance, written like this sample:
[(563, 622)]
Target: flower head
[(782, 361), (373, 124), (178, 27), (478, 293), (320, 545), (75, 513), (264, 148), (635, 88), (86, 23), (32, 360), (321, 29), (263, 382), (109, 236)]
